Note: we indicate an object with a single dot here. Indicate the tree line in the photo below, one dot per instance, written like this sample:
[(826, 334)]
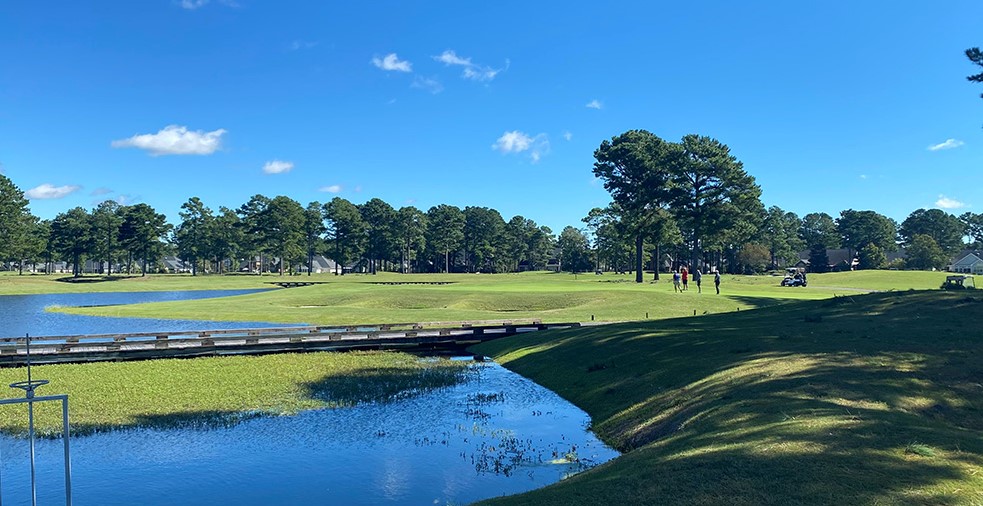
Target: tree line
[(673, 203), (692, 203)]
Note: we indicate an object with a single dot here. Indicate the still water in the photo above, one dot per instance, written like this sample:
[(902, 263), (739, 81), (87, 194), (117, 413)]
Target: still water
[(23, 314), (496, 433)]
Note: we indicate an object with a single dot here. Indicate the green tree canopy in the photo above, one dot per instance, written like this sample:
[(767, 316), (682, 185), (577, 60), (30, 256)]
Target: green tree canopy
[(16, 222), (871, 257), (193, 235), (711, 194), (946, 229), (71, 233), (346, 232), (924, 253), (780, 233), (860, 228), (445, 231), (819, 228)]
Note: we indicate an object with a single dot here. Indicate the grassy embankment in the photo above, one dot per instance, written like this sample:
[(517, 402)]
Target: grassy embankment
[(862, 399), (552, 297), (219, 390)]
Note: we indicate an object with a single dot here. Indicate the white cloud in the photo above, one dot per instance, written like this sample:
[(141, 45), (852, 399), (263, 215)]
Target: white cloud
[(175, 140), (863, 176), (48, 191), (471, 71), (277, 167), (449, 57), (392, 62), (100, 191), (335, 188), (193, 4), (518, 142), (427, 83), (594, 104), (948, 144), (567, 135), (947, 203), (513, 142)]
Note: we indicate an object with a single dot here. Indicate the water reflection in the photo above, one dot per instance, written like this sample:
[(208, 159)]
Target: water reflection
[(22, 314), (496, 433)]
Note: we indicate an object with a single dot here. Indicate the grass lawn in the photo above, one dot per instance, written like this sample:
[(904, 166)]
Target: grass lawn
[(550, 296), (218, 390), (861, 399), (13, 284)]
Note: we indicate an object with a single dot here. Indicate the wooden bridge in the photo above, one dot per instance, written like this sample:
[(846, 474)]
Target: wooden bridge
[(421, 337)]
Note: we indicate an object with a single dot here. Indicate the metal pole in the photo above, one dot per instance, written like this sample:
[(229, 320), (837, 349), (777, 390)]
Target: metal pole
[(68, 461), (30, 431), (30, 423)]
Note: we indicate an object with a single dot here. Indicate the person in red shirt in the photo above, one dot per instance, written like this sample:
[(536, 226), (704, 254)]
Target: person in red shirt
[(685, 275)]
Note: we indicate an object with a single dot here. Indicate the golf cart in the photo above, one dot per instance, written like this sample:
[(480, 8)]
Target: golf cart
[(794, 277)]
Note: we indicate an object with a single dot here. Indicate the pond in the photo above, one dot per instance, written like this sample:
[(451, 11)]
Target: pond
[(23, 314), (494, 434)]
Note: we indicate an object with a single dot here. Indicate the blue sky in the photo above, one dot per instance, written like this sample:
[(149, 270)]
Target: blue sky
[(830, 106)]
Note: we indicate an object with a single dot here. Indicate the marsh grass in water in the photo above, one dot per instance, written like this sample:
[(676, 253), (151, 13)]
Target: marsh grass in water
[(220, 391)]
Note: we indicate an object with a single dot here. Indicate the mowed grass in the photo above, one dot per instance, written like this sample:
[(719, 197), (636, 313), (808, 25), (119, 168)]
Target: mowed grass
[(860, 399), (549, 296), (13, 284), (218, 390)]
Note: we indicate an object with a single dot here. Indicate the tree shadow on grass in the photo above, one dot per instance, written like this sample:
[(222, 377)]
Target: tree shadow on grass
[(769, 407)]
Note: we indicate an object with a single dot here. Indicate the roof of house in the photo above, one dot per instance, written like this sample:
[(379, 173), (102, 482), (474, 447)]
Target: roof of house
[(968, 259), (964, 254)]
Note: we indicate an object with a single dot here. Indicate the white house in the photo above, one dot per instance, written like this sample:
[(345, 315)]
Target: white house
[(970, 264)]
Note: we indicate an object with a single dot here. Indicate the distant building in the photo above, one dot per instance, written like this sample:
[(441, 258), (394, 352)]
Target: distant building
[(968, 262), (320, 264), (840, 259)]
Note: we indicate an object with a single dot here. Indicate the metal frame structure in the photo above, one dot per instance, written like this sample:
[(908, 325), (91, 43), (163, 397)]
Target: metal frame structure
[(29, 399)]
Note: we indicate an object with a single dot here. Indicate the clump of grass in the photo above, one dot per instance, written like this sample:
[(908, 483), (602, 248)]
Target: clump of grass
[(919, 449)]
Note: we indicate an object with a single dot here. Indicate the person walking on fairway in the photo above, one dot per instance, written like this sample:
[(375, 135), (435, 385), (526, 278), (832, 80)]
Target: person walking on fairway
[(675, 281), (685, 275), (697, 277), (716, 280)]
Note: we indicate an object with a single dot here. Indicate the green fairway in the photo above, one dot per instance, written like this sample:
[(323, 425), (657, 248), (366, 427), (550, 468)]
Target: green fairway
[(13, 284), (219, 390), (861, 399), (550, 296)]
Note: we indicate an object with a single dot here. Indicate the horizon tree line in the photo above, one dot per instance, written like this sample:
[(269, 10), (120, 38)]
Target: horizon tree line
[(704, 215)]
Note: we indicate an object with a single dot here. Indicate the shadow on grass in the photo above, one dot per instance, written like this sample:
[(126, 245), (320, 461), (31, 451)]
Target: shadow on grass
[(381, 385), (90, 279), (813, 402)]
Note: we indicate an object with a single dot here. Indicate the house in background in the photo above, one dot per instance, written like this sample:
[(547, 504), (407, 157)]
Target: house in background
[(968, 262), (321, 264), (840, 259)]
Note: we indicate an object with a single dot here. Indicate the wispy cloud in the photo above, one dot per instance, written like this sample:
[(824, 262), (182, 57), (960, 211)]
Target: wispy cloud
[(594, 104), (863, 176), (49, 191), (948, 144), (175, 140), (125, 200), (427, 83), (277, 167), (100, 191), (947, 203), (472, 71), (197, 4), (392, 62), (335, 188), (518, 142), (193, 4), (567, 135), (301, 44)]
